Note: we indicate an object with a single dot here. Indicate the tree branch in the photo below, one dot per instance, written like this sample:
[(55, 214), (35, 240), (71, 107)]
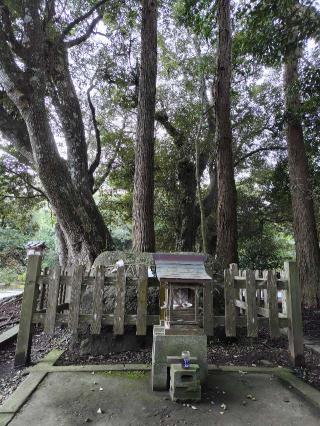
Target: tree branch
[(250, 154), (177, 135), (12, 78), (35, 188), (50, 10), (97, 159), (101, 179), (83, 17), (7, 27), (14, 129), (21, 197), (85, 36)]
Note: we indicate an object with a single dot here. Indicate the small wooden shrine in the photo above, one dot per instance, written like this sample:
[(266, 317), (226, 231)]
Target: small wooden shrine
[(181, 277)]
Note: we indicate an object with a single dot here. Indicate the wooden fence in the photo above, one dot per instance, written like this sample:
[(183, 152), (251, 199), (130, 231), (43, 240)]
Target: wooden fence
[(54, 297)]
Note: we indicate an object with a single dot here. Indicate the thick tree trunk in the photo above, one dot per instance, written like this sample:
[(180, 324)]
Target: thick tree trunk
[(143, 194), (66, 183), (78, 216), (186, 235), (210, 213), (305, 231), (187, 195), (62, 246), (226, 252)]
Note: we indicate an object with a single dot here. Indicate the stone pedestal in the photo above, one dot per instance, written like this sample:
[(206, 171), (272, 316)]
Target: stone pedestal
[(185, 383), (172, 345)]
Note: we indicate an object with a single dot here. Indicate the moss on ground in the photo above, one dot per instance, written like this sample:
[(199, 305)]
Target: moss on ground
[(134, 375)]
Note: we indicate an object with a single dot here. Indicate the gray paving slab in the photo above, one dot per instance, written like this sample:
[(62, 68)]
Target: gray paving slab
[(126, 399)]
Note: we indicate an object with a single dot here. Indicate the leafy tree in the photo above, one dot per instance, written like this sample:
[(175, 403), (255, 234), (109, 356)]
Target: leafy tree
[(34, 66), (283, 28)]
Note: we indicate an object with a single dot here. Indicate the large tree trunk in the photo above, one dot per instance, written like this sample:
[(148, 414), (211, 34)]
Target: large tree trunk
[(226, 252), (187, 196), (62, 246), (78, 216), (143, 193), (187, 230), (210, 211), (305, 231)]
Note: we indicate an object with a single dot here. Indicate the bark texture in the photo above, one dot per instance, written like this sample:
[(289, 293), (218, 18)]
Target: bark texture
[(143, 194), (186, 174), (226, 251), (66, 183), (188, 191), (305, 231)]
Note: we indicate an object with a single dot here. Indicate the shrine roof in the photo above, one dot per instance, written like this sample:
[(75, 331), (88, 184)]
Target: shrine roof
[(181, 268)]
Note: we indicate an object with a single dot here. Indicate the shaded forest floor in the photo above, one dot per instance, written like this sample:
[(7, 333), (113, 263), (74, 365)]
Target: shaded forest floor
[(241, 351)]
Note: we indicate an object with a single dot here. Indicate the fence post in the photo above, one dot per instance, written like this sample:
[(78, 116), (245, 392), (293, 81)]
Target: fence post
[(252, 321), (142, 300), (284, 294), (75, 299), (29, 301), (273, 304), (97, 308), (52, 302), (208, 309), (119, 302), (295, 329), (229, 298)]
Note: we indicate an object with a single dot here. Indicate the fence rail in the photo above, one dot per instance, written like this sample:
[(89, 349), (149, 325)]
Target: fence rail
[(54, 297)]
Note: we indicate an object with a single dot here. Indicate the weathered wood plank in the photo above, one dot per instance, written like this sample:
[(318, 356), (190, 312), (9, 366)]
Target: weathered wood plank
[(240, 282), (142, 299), (108, 319), (75, 297), (295, 329), (97, 300), (252, 324), (29, 302), (241, 304), (284, 294), (53, 292), (9, 334), (42, 294), (119, 305), (208, 324), (132, 281), (273, 305), (229, 301)]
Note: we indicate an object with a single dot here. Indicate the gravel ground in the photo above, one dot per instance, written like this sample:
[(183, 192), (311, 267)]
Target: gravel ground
[(311, 323), (11, 377), (9, 312), (221, 351)]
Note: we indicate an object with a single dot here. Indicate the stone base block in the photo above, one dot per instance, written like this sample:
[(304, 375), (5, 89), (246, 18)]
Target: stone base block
[(185, 383), (184, 377), (159, 377), (185, 394), (172, 345)]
